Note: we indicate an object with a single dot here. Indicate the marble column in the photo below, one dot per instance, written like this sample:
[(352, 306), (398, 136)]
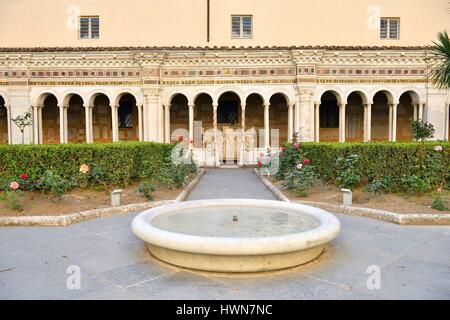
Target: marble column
[(342, 130), (266, 125), (140, 123), (35, 124), (290, 121), (39, 120), (62, 124), (415, 112), (393, 108), (191, 124), (317, 122), (367, 122), (8, 123), (167, 123), (89, 124), (115, 123), (420, 115)]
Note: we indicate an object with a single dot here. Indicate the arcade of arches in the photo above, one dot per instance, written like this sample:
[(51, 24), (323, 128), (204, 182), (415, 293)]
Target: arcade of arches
[(76, 119), (358, 121)]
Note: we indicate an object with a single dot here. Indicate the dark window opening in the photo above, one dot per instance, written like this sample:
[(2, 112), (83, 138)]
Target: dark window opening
[(126, 115), (228, 112), (329, 114)]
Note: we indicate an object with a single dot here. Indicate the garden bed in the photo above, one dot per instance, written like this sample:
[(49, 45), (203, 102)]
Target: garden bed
[(400, 203), (37, 203)]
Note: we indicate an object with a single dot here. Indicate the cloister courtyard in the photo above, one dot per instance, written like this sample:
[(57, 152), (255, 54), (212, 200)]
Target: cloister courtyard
[(115, 264)]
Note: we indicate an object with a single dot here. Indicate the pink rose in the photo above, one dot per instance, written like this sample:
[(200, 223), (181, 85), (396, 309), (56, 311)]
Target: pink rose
[(14, 185), (439, 190), (438, 148), (84, 168), (296, 145)]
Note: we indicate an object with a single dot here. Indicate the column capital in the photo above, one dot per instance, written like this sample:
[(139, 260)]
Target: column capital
[(342, 105), (267, 105), (291, 105), (167, 106), (88, 107), (191, 105)]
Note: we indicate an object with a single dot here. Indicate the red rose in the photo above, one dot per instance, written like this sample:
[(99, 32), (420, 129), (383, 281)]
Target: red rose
[(283, 149), (281, 155), (24, 176), (259, 164), (306, 162), (180, 138)]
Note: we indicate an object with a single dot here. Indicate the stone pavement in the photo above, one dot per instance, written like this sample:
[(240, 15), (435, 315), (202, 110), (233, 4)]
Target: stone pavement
[(114, 264)]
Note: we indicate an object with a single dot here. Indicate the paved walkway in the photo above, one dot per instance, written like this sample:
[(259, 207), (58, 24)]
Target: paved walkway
[(114, 264)]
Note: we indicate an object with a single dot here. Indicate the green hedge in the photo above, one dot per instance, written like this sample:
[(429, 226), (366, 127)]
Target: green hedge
[(376, 160), (120, 162)]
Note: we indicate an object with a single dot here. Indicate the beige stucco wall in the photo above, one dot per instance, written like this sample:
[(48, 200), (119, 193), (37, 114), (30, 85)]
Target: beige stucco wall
[(183, 22)]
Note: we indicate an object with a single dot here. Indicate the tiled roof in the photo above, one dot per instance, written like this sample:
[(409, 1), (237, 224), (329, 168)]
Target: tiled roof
[(184, 48)]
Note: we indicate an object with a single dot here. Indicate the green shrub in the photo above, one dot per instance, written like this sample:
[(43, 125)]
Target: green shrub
[(55, 184), (392, 163), (438, 204), (301, 179), (348, 176), (12, 199), (422, 130), (147, 188), (110, 164)]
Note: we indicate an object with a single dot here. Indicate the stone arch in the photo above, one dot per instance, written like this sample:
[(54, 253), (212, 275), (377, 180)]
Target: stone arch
[(76, 118), (363, 95), (66, 96), (407, 111), (278, 117), (354, 116), (261, 94), (221, 91), (337, 92), (94, 94), (380, 125), (329, 114), (288, 98), (50, 119), (413, 92), (119, 94), (101, 116), (179, 116), (40, 97), (388, 92), (128, 116), (5, 97)]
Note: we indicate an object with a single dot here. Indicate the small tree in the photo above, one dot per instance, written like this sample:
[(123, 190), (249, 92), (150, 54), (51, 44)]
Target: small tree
[(22, 122), (422, 130)]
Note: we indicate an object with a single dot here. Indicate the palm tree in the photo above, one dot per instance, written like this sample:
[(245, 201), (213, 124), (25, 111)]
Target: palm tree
[(440, 73)]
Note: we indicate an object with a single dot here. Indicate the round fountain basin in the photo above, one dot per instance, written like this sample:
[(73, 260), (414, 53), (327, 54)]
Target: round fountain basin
[(236, 235)]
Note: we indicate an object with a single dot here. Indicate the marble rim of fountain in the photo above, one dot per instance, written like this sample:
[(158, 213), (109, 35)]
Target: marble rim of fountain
[(328, 229)]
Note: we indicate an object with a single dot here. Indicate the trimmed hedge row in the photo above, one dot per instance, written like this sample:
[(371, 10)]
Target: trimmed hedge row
[(120, 163), (375, 160)]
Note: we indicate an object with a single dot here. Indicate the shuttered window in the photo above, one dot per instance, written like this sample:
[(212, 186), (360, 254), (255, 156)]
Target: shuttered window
[(89, 27), (241, 27), (390, 28)]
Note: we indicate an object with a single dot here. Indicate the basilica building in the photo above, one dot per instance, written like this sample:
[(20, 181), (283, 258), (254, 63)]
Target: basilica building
[(106, 71)]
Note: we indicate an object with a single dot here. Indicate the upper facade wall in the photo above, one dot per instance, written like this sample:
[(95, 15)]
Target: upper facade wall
[(53, 23)]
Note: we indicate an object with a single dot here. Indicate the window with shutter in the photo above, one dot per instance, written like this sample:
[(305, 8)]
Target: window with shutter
[(390, 28), (241, 27), (89, 27)]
